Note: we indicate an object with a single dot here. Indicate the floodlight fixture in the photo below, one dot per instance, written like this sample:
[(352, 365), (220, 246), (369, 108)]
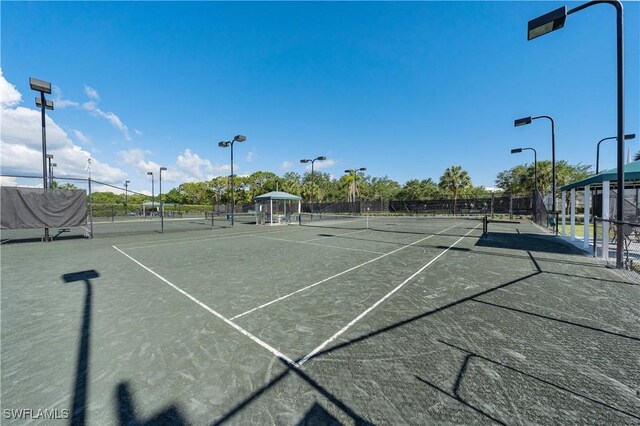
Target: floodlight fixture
[(40, 85), (516, 150), (224, 144), (547, 23), (49, 156), (239, 138), (522, 121), (48, 104), (305, 161)]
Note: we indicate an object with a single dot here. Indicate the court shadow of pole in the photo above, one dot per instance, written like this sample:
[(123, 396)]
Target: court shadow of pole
[(79, 407), (127, 411)]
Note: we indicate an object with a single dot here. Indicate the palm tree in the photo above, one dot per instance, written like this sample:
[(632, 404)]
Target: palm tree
[(637, 156), (454, 179)]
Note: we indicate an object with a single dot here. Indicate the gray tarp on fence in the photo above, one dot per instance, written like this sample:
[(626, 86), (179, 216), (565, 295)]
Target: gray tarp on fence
[(22, 208)]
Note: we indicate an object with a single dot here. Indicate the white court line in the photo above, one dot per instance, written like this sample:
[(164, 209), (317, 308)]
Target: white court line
[(220, 316), (340, 273), (372, 307), (188, 240), (316, 244)]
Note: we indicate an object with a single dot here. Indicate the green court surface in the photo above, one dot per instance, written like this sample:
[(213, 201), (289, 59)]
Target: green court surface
[(428, 324)]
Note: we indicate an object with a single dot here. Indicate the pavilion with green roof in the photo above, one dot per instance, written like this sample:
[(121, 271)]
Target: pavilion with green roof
[(276, 196), (602, 181)]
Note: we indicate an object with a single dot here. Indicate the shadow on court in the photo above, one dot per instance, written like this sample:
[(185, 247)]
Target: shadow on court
[(171, 415), (470, 357), (79, 407)]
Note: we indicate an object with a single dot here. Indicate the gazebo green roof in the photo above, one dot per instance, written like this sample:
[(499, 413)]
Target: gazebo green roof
[(278, 195), (631, 176)]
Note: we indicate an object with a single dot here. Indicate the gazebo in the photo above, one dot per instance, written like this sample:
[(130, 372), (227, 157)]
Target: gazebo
[(602, 181), (276, 196)]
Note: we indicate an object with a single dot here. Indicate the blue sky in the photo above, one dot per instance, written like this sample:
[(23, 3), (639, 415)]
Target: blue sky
[(404, 89)]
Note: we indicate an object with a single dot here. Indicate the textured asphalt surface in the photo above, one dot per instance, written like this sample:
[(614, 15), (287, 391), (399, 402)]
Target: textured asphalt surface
[(437, 326)]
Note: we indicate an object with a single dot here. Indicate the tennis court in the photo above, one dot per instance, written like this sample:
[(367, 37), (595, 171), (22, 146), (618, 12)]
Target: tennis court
[(338, 320)]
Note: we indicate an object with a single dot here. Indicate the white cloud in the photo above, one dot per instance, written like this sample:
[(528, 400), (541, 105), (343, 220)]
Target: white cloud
[(9, 96), (81, 137), (21, 146), (188, 167), (137, 132), (58, 100), (91, 92), (249, 157), (286, 165), (109, 116)]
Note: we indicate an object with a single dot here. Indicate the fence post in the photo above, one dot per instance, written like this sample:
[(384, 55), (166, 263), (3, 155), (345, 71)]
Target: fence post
[(511, 207)]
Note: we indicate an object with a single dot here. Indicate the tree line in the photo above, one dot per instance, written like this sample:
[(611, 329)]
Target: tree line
[(321, 187)]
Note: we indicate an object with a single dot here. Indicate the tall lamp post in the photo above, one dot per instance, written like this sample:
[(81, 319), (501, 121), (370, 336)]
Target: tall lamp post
[(535, 164), (355, 174), (51, 173), (320, 158), (226, 144), (49, 158), (43, 87), (153, 204), (126, 196), (535, 175), (626, 138), (161, 205), (555, 20), (527, 120)]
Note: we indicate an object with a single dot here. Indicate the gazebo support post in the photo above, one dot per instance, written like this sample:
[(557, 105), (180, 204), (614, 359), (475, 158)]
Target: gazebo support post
[(271, 210), (587, 202), (573, 214), (564, 212), (605, 217)]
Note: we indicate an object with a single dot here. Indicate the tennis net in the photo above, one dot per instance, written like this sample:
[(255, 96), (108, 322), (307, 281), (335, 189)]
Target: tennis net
[(400, 224)]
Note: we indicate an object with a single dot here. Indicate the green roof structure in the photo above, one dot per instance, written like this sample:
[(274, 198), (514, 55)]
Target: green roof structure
[(631, 177), (278, 195)]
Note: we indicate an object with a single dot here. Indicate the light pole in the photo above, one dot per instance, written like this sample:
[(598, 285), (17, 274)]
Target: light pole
[(535, 176), (161, 205), (527, 120), (126, 196), (555, 20), (626, 138), (51, 174), (320, 158), (355, 175), (43, 87), (153, 203), (225, 144), (535, 164), (49, 158)]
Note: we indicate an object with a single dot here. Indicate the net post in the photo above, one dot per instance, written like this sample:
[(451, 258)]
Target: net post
[(484, 226), (90, 210)]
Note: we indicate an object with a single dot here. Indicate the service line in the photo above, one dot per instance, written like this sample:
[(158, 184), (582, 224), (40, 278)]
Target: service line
[(372, 307), (220, 316), (316, 244), (342, 273)]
